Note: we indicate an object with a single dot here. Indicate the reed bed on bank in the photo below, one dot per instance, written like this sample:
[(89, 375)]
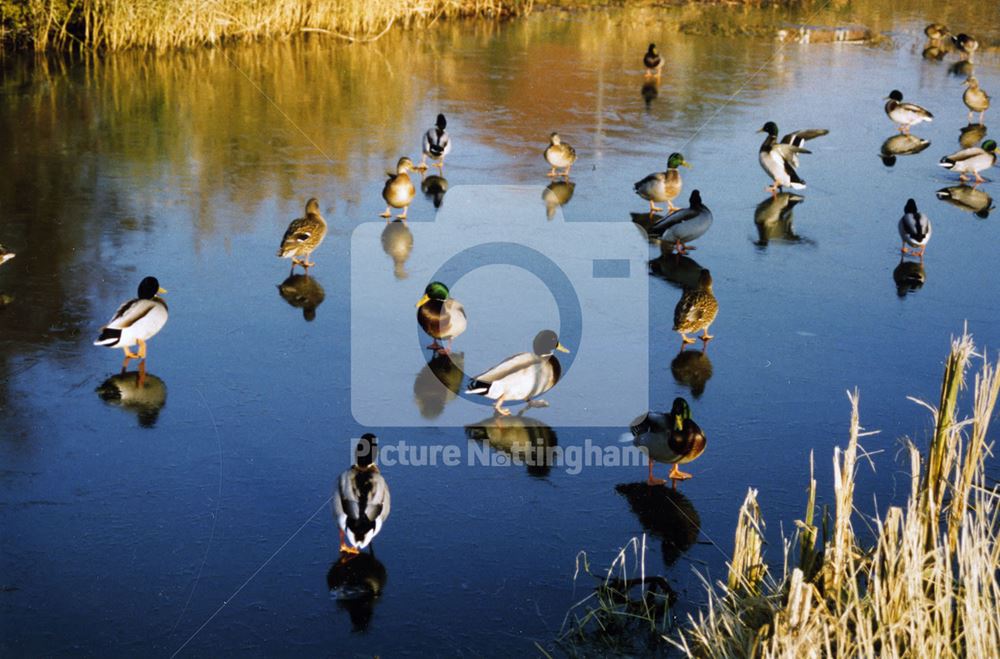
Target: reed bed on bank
[(114, 25), (927, 585)]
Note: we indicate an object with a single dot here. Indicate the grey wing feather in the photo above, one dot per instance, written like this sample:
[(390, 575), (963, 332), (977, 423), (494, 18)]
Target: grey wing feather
[(507, 366)]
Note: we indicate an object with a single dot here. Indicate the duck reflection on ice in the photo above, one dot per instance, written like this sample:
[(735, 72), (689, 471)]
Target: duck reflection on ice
[(963, 68), (969, 198), (528, 441), (145, 400), (438, 382), (909, 276), (302, 292), (681, 271), (901, 144), (397, 243), (774, 219), (434, 188), (650, 90), (557, 194), (692, 369), (356, 583), (971, 135), (666, 514)]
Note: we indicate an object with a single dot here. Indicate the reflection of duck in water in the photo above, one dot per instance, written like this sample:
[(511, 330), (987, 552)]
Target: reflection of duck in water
[(143, 398), (909, 276), (356, 582), (526, 440), (524, 376), (664, 513), (302, 292), (901, 144), (971, 135), (672, 438), (962, 69), (434, 187), (693, 369), (681, 271), (773, 218), (438, 383), (361, 498), (968, 198), (397, 242), (556, 194), (303, 236)]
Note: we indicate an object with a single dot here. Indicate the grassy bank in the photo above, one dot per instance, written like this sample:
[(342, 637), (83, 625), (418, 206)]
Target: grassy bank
[(121, 24)]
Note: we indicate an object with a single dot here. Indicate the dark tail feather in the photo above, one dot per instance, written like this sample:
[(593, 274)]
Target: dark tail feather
[(478, 387), (108, 337)]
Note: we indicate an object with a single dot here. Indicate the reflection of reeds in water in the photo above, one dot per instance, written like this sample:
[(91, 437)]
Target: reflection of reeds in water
[(356, 582), (145, 401), (397, 243), (438, 383), (303, 292), (528, 441), (927, 585), (693, 369), (666, 514)]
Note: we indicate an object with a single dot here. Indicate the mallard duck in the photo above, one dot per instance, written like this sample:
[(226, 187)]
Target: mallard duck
[(397, 242), (909, 276), (780, 159), (975, 98), (558, 154), (903, 114), (672, 438), (936, 32), (303, 292), (144, 396), (5, 255), (437, 144), (652, 61), (696, 310), (524, 376), (966, 44), (901, 144), (434, 187), (399, 191), (361, 498), (441, 316), (968, 198), (557, 194), (136, 321), (914, 230), (662, 186), (303, 236), (685, 225), (972, 160)]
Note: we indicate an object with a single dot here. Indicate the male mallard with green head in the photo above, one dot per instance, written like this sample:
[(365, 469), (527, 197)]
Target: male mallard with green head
[(653, 62), (662, 186), (303, 236), (136, 321), (904, 115), (361, 499), (441, 316), (972, 161), (696, 310), (399, 191), (559, 155), (672, 438), (914, 230), (437, 144), (524, 376), (781, 159), (975, 98)]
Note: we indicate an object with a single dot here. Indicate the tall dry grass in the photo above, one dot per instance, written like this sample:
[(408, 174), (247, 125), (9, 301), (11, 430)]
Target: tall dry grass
[(927, 587), (114, 25)]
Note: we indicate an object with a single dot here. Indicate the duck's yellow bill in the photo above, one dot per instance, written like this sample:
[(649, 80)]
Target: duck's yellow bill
[(161, 291), (424, 300), (678, 422), (687, 164), (562, 348)]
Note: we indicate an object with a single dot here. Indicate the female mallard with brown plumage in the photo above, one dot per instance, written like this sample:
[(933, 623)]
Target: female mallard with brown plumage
[(975, 98), (303, 236), (696, 310), (440, 315), (560, 155), (672, 438), (662, 186), (399, 191)]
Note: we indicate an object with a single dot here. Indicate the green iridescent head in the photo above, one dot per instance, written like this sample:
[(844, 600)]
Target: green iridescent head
[(681, 412), (676, 160)]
